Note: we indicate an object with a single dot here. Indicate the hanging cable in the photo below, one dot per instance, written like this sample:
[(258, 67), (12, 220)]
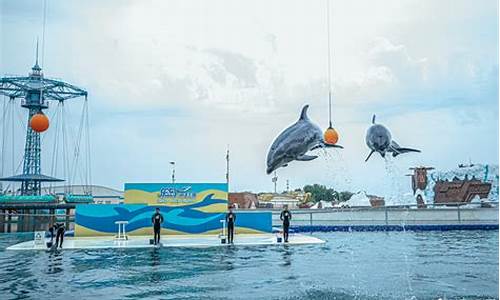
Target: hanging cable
[(11, 103), (4, 134), (329, 65), (55, 151), (65, 149), (76, 154), (89, 161), (44, 18), (330, 135)]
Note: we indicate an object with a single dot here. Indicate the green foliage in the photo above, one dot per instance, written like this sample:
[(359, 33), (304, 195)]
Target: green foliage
[(320, 192), (344, 196)]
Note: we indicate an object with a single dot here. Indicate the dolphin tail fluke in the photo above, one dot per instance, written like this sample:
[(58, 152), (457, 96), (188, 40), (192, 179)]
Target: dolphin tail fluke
[(373, 119), (403, 150), (396, 149), (303, 114), (368, 157)]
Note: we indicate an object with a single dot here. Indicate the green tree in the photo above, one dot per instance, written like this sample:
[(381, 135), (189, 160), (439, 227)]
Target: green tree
[(320, 192)]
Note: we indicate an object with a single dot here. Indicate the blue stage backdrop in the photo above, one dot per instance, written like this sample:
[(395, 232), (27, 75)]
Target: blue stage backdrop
[(187, 208)]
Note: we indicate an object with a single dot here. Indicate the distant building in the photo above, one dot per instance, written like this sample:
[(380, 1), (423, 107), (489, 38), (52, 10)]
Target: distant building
[(101, 194), (279, 201), (244, 200)]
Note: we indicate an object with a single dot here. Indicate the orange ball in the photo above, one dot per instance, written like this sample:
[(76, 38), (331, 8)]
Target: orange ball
[(331, 136), (39, 122)]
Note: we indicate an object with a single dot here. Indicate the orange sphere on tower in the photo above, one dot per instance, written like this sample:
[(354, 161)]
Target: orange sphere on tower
[(331, 136), (39, 122)]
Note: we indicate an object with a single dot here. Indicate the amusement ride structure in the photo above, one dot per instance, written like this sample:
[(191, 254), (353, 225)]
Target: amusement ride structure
[(35, 93)]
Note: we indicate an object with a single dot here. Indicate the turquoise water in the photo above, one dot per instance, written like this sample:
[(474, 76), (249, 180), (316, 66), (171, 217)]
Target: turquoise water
[(359, 265)]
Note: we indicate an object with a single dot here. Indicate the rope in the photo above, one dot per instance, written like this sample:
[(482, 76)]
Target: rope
[(77, 145), (55, 151), (43, 31), (89, 161), (11, 103), (329, 64), (65, 148), (4, 134)]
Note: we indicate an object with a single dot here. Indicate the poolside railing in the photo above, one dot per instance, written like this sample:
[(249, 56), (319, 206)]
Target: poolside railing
[(396, 215), (467, 215)]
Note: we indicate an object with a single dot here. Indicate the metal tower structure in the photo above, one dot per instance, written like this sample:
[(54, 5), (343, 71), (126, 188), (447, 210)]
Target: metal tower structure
[(35, 92)]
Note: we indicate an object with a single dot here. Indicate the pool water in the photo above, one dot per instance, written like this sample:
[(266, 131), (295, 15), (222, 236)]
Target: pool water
[(358, 265)]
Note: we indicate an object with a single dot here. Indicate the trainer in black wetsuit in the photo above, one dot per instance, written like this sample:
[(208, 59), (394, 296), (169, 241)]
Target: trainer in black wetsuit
[(230, 220), (157, 219), (286, 216), (59, 229), (51, 230)]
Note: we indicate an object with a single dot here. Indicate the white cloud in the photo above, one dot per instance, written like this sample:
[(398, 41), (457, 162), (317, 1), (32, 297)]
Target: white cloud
[(182, 79)]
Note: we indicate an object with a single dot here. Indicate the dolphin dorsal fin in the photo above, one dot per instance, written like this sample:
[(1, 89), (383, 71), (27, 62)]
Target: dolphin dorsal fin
[(373, 119), (303, 114)]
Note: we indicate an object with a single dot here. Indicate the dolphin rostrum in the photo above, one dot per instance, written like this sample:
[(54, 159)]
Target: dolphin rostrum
[(378, 139), (294, 142)]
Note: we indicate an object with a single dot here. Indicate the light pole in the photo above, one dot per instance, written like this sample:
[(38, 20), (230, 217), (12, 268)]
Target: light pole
[(275, 181), (173, 171), (227, 168)]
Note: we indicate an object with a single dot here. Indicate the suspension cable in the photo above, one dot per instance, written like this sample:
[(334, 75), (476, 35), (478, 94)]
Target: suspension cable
[(65, 148), (4, 134), (329, 64), (44, 18), (89, 161), (11, 103), (77, 145), (55, 151)]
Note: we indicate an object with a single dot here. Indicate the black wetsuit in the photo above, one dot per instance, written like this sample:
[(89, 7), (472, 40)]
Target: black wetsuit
[(286, 216), (230, 220), (59, 234), (51, 230), (157, 219)]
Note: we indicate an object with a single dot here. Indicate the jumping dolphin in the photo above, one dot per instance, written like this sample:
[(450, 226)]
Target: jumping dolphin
[(294, 142), (378, 138)]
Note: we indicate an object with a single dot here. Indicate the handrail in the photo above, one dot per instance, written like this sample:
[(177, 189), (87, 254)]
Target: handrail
[(36, 215), (449, 205)]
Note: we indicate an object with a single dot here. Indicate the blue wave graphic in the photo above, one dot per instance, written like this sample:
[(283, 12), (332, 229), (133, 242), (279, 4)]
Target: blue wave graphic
[(185, 219)]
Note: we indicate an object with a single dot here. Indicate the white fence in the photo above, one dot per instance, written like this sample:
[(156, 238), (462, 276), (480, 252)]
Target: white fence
[(393, 215)]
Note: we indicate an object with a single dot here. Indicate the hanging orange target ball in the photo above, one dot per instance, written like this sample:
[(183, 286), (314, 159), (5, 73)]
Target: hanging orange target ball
[(39, 122), (331, 136)]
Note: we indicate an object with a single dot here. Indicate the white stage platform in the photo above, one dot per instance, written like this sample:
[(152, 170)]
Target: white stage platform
[(169, 241)]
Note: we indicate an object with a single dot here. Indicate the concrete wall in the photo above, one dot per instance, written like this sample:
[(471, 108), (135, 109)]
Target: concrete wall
[(382, 216)]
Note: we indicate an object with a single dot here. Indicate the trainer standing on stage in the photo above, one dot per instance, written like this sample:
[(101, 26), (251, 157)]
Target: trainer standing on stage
[(286, 216), (230, 220), (156, 220)]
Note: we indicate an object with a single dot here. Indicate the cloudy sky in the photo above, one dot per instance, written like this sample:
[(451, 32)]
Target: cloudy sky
[(181, 80)]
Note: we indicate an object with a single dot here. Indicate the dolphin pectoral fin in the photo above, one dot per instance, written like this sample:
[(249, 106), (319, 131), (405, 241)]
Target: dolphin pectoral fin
[(333, 146), (305, 157), (325, 145), (317, 147), (368, 157)]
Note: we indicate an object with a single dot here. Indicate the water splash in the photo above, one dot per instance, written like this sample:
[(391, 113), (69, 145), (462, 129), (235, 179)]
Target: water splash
[(337, 170), (394, 175)]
